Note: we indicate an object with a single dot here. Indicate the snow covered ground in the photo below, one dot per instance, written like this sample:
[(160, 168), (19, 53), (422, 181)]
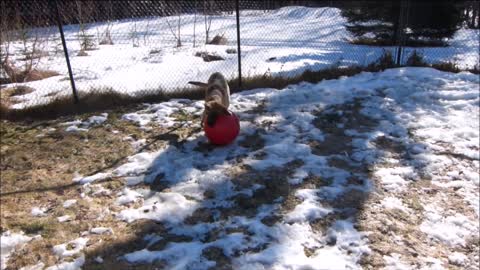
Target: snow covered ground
[(280, 42), (379, 170)]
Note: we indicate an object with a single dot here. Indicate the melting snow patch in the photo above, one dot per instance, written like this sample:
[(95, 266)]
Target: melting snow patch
[(101, 230), (134, 180), (308, 210), (75, 129), (64, 218), (78, 125), (71, 248), (393, 262), (432, 263), (457, 258), (395, 179), (91, 178), (38, 266), (137, 164), (451, 230), (96, 120), (186, 255), (9, 241), (160, 112), (152, 239), (394, 203), (71, 123), (74, 265), (287, 251), (137, 145), (128, 196), (39, 211), (69, 203), (167, 207)]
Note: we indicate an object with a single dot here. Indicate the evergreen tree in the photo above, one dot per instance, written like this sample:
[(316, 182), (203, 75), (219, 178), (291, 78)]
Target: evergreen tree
[(424, 23)]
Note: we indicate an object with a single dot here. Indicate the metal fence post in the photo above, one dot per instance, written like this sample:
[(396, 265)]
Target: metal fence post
[(239, 52), (400, 33), (65, 50)]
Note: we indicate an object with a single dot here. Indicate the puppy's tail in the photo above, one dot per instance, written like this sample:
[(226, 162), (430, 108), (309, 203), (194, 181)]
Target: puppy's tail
[(201, 84)]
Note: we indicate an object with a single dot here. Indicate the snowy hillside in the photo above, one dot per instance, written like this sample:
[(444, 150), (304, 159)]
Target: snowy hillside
[(281, 42)]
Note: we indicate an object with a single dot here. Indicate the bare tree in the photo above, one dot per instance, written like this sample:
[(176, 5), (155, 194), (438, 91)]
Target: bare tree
[(475, 18), (134, 35), (146, 33), (194, 23), (29, 48), (105, 38), (5, 40), (177, 35), (207, 9), (85, 39), (31, 45), (16, 74), (470, 14)]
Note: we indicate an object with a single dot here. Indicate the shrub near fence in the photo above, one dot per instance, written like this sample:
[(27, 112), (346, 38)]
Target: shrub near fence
[(149, 50)]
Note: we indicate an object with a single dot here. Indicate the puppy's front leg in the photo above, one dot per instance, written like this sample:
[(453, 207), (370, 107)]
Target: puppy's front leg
[(204, 114)]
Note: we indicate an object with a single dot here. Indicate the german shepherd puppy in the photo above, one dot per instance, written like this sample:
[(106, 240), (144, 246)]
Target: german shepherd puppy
[(217, 97)]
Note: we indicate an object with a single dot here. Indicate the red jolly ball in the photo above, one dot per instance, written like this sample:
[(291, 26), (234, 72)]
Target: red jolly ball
[(224, 130)]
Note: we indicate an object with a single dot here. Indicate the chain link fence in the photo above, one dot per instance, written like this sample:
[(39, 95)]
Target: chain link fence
[(139, 48)]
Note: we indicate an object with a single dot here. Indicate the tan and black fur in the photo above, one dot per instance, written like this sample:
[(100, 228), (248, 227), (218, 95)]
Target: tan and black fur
[(217, 97)]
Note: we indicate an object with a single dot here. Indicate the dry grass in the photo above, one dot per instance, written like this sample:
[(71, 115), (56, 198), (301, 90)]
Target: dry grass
[(268, 81), (101, 100), (218, 40), (8, 94), (416, 60), (449, 67), (231, 51), (277, 82), (30, 75), (388, 42), (18, 90), (38, 164), (108, 98), (209, 57)]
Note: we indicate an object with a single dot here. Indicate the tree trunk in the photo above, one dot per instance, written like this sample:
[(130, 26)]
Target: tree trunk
[(194, 23), (475, 16), (179, 40), (396, 25)]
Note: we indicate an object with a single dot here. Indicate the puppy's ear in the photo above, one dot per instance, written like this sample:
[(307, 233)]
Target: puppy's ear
[(201, 84)]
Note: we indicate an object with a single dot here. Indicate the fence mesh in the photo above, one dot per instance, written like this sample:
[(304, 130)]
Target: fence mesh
[(140, 48), (287, 40)]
